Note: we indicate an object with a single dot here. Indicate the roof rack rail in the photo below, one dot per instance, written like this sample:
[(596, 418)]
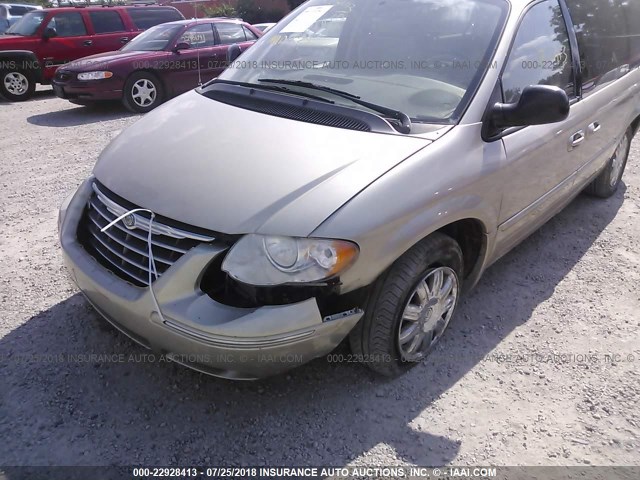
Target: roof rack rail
[(102, 3)]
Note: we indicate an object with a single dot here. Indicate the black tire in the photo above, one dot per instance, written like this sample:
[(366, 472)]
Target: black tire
[(376, 338), (131, 98), (606, 184), (16, 85)]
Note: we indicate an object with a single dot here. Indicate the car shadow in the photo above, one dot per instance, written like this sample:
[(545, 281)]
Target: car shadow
[(39, 94), (61, 407), (78, 116)]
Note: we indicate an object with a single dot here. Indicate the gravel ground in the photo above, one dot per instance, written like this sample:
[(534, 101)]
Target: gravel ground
[(525, 375)]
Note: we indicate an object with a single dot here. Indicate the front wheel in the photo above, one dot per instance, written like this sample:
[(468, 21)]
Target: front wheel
[(142, 92), (606, 184), (410, 307), (16, 85)]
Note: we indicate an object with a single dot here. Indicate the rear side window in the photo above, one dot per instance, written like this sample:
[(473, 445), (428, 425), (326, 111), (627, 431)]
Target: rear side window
[(608, 38), (199, 36), (144, 17), (18, 10), (230, 33), (68, 24), (249, 34), (107, 21), (540, 54)]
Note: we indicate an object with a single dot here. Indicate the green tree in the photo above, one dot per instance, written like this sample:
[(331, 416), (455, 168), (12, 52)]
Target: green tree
[(222, 10), (251, 12)]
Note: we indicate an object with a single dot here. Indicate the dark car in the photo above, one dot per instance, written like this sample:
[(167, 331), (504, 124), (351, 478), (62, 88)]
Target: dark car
[(163, 62), (33, 48)]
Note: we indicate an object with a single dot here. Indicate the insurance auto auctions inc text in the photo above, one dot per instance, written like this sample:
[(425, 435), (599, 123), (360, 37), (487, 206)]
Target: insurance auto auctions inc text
[(378, 472)]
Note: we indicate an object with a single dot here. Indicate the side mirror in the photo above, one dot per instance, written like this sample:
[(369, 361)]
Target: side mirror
[(49, 33), (233, 52), (538, 105), (182, 46)]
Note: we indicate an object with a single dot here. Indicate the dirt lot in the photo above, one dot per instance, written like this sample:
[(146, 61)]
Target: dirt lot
[(526, 375)]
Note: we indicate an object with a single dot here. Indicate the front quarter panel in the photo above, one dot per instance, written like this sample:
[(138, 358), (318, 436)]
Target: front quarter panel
[(455, 178)]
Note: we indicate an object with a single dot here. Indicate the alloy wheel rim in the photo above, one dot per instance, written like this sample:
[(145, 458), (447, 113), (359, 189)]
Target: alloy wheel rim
[(144, 92), (16, 83), (618, 160), (427, 313)]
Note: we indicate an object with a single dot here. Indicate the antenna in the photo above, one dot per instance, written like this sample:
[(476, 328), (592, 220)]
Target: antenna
[(195, 10)]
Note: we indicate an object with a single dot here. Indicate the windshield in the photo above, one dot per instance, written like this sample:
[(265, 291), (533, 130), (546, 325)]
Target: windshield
[(28, 24), (155, 39), (421, 57)]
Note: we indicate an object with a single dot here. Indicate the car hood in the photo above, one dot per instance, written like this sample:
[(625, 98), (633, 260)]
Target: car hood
[(102, 59), (235, 171)]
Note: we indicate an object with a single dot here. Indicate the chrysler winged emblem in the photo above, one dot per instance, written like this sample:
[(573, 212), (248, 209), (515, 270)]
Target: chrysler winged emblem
[(129, 221)]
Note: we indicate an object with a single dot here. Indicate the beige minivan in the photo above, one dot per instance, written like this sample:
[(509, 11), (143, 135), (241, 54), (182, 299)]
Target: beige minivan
[(353, 180)]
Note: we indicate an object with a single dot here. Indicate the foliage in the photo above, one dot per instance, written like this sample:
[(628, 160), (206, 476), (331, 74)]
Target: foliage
[(250, 11), (222, 10)]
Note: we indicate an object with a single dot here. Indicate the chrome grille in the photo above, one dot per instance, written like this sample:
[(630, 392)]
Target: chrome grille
[(123, 249)]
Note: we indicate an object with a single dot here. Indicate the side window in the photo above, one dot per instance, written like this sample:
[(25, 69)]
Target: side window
[(68, 24), (249, 34), (107, 21), (541, 54), (19, 10), (145, 17), (607, 38), (4, 21), (199, 36), (230, 33)]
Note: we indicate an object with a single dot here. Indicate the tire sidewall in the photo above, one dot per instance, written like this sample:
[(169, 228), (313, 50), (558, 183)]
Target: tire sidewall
[(17, 98), (128, 90), (437, 250), (601, 187), (614, 187)]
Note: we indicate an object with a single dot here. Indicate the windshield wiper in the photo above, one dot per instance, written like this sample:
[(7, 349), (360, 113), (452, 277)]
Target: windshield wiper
[(404, 125), (315, 86), (273, 89)]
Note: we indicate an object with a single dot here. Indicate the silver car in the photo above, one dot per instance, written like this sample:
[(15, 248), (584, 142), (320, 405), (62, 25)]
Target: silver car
[(10, 13), (355, 185)]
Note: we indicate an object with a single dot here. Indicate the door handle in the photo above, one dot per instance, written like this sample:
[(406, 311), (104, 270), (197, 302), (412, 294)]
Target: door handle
[(87, 43), (594, 127), (576, 139), (124, 39)]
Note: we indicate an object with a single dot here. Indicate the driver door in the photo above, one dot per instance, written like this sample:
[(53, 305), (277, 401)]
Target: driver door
[(541, 159), (191, 66), (71, 41)]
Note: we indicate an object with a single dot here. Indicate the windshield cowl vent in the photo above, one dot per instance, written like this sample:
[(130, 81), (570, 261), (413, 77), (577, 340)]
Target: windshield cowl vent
[(295, 108)]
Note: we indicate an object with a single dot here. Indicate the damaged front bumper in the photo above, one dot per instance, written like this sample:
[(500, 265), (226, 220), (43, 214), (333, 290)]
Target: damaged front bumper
[(193, 329)]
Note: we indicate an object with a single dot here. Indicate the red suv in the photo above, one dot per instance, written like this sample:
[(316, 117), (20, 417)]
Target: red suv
[(33, 48)]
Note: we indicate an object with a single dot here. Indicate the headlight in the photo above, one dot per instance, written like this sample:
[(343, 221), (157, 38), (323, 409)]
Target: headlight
[(264, 260), (102, 75)]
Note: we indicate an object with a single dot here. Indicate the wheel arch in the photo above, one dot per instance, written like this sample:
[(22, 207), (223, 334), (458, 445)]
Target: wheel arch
[(470, 235), (635, 125), (24, 60)]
